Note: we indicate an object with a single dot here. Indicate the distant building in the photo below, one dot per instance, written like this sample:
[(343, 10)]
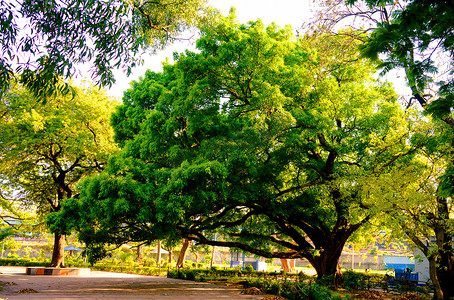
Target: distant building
[(398, 262), (422, 266)]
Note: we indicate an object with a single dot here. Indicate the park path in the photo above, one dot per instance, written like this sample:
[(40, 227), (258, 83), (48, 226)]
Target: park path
[(107, 285)]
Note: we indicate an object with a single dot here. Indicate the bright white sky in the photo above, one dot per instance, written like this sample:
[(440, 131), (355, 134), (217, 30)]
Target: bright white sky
[(282, 12)]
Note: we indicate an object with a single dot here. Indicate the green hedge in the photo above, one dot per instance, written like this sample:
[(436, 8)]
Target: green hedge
[(109, 266), (215, 273), (24, 262)]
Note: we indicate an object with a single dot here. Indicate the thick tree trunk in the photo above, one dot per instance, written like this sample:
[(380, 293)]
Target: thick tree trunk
[(285, 265), (445, 270), (445, 274), (170, 255), (182, 256), (288, 265), (438, 294), (330, 245), (327, 263), (291, 263), (58, 254)]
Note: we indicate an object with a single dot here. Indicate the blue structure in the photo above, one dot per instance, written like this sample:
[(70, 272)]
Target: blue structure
[(398, 262), (239, 258), (405, 275)]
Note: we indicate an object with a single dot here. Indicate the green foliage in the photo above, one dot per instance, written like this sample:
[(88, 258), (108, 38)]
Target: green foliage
[(13, 255), (266, 139), (416, 36), (6, 232), (60, 37), (149, 262), (249, 269), (47, 148), (16, 261), (353, 280), (292, 290)]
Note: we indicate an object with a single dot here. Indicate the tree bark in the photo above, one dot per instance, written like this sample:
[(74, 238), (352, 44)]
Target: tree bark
[(438, 294), (292, 264), (196, 254), (182, 256), (212, 257), (327, 263), (139, 253), (445, 270), (285, 265), (432, 259), (158, 254), (58, 254)]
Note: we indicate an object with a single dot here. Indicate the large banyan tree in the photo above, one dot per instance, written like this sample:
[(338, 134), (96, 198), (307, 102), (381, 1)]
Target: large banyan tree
[(261, 137)]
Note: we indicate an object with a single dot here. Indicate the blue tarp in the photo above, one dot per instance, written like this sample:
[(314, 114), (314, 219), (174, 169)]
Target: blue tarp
[(400, 267)]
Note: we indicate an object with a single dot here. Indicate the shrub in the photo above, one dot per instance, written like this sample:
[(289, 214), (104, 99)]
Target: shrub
[(274, 288), (190, 275), (353, 280), (181, 275), (312, 291), (13, 255), (318, 292), (172, 274), (303, 276), (23, 262), (149, 262), (326, 281), (249, 269), (292, 290)]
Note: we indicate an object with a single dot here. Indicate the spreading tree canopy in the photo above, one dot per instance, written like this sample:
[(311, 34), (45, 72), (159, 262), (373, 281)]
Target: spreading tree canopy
[(417, 36), (409, 197), (47, 148), (263, 138)]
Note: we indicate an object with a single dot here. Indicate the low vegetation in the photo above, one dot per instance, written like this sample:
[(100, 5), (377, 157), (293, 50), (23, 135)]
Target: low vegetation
[(354, 285)]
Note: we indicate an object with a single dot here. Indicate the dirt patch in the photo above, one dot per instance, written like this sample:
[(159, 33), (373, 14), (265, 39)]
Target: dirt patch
[(252, 291), (273, 297), (411, 296), (27, 291), (371, 295)]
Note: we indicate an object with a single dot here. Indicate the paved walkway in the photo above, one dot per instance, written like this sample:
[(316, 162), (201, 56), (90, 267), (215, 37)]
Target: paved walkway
[(107, 285)]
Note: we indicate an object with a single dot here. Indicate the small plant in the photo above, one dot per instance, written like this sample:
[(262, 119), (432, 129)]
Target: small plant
[(249, 269), (303, 276), (13, 255), (190, 275), (353, 281), (172, 274), (326, 281), (149, 262)]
